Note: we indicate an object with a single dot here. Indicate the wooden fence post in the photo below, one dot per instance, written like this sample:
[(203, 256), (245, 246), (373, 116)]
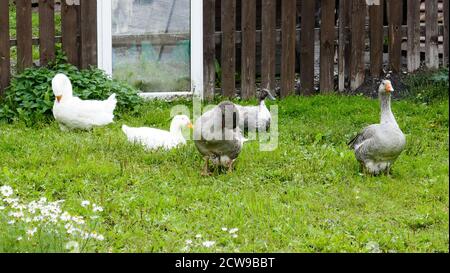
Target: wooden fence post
[(431, 36), (46, 31), (327, 49), (228, 47), (288, 11), (376, 39), (395, 15), (413, 35), (24, 35), (88, 33), (70, 31), (446, 8), (357, 71), (4, 46), (268, 62), (344, 42), (248, 56), (209, 47), (307, 47)]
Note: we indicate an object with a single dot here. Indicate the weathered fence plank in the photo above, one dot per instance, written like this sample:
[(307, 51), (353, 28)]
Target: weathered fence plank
[(5, 61), (376, 39), (344, 42), (228, 47), (248, 56), (70, 31), (413, 18), (431, 36), (446, 10), (307, 12), (268, 62), (288, 9), (209, 47), (24, 35), (395, 15), (88, 33), (327, 48), (46, 31), (357, 72)]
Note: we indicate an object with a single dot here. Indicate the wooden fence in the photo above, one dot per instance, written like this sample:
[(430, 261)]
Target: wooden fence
[(78, 34), (330, 44)]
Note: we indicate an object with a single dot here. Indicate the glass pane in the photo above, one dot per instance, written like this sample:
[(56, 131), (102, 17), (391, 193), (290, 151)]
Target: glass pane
[(151, 44)]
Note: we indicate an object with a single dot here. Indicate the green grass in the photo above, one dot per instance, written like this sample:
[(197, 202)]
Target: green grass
[(306, 196)]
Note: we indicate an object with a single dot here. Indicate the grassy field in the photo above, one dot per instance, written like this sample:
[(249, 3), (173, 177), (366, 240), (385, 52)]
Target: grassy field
[(306, 196)]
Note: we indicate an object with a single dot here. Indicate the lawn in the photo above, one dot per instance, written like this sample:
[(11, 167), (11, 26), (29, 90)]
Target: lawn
[(306, 196)]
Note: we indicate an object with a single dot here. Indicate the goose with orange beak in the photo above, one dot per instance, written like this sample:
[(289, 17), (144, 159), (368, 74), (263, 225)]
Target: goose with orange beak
[(74, 113), (377, 146)]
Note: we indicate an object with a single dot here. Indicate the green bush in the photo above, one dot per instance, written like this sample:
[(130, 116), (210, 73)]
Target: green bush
[(429, 86), (30, 98)]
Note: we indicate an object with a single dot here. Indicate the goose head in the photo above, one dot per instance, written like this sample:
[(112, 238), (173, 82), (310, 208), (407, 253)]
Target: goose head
[(265, 93), (62, 87), (385, 88), (179, 122)]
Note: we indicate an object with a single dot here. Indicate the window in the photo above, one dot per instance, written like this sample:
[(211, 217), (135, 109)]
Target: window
[(154, 45)]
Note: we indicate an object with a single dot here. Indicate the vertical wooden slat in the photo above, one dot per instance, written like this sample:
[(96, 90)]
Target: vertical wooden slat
[(376, 39), (344, 42), (228, 47), (431, 35), (307, 47), (248, 56), (395, 15), (357, 73), (288, 11), (88, 33), (209, 46), (446, 10), (327, 46), (24, 35), (413, 18), (268, 62), (4, 46), (69, 31), (46, 31)]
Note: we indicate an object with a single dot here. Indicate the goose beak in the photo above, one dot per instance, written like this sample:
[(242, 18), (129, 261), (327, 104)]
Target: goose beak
[(271, 97), (190, 126), (58, 98)]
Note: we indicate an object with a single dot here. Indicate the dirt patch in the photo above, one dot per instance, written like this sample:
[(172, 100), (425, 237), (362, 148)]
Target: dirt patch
[(370, 86)]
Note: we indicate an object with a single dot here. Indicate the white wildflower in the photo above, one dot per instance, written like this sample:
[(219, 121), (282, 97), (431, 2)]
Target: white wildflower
[(73, 247), (188, 242), (2, 208), (96, 208), (31, 232), (234, 230), (224, 229), (11, 200), (198, 236), (234, 235), (208, 244), (19, 238), (65, 216), (85, 203), (6, 190), (12, 222)]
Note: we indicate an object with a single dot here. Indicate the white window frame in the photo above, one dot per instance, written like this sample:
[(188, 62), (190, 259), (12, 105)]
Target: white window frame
[(104, 50)]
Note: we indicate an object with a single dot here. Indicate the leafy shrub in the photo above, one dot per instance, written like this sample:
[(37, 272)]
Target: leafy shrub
[(429, 86), (30, 97)]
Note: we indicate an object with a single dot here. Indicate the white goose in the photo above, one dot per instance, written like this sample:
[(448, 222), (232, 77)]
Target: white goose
[(152, 138), (378, 145), (74, 113)]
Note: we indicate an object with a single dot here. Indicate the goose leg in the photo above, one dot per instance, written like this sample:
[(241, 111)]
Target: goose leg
[(205, 171), (230, 166)]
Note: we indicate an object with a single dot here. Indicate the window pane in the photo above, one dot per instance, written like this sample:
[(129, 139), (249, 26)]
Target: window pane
[(151, 44)]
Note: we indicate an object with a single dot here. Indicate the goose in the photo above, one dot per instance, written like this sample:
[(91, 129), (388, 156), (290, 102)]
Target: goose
[(218, 137), (377, 146), (254, 118), (153, 139), (74, 113)]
